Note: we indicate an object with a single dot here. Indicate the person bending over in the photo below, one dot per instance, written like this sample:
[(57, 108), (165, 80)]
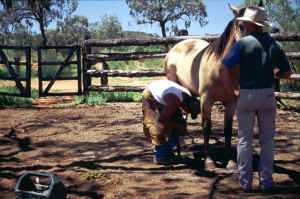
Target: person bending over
[(163, 104)]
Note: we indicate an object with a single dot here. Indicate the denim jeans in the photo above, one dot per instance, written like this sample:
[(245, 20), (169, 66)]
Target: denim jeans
[(165, 151), (258, 103)]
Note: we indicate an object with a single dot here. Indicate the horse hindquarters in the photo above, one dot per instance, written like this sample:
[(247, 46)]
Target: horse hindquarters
[(183, 61)]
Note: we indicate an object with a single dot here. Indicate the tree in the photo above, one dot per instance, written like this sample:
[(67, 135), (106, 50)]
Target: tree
[(41, 11), (73, 29), (110, 27), (167, 12), (7, 26)]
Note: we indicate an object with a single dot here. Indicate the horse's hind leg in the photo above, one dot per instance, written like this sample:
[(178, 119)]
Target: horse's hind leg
[(206, 106), (228, 120)]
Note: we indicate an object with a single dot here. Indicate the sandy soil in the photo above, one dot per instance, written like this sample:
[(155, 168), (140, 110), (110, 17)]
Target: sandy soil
[(100, 152)]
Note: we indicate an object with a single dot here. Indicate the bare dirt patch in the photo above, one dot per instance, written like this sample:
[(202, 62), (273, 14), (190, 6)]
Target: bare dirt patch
[(100, 152)]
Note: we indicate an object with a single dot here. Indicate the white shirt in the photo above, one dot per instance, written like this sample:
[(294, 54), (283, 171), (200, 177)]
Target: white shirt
[(162, 87)]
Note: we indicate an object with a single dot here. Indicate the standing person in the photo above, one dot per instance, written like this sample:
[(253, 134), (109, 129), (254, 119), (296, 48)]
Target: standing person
[(163, 104), (257, 54)]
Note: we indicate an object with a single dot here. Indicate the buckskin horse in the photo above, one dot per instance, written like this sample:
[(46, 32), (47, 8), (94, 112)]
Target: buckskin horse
[(196, 64)]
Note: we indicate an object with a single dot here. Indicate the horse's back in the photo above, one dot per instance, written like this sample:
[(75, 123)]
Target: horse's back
[(182, 63)]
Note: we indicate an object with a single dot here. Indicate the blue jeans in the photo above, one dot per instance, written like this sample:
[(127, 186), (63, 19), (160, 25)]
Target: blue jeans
[(258, 103), (165, 151)]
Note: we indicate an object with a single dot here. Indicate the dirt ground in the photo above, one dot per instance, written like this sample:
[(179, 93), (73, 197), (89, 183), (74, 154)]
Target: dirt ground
[(100, 152)]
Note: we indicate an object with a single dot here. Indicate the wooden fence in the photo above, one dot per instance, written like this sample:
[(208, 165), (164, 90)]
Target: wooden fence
[(90, 58)]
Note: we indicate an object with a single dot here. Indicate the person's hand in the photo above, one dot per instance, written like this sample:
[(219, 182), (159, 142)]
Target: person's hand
[(236, 92)]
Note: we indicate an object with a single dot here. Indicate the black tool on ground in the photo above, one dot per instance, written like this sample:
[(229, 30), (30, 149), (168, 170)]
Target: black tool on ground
[(35, 185)]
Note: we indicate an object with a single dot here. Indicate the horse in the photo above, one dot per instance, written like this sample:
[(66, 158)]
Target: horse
[(196, 65)]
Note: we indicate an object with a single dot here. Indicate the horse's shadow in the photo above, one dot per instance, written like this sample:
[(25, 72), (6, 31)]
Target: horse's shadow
[(217, 153)]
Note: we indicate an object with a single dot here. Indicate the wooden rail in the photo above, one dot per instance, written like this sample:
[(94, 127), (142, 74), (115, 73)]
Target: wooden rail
[(288, 95), (90, 58), (130, 74), (146, 55), (122, 73), (282, 36)]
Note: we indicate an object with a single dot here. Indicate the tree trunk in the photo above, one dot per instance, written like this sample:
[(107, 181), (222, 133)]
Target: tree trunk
[(163, 32), (42, 28), (163, 28)]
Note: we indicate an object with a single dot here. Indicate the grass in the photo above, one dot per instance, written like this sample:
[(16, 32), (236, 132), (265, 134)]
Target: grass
[(94, 175), (99, 98), (11, 101)]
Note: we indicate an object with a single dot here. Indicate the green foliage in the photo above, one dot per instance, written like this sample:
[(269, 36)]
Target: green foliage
[(116, 65), (110, 27), (154, 64), (94, 175), (5, 74), (136, 34), (140, 49), (169, 11), (41, 11), (98, 98), (73, 29), (131, 65), (11, 101)]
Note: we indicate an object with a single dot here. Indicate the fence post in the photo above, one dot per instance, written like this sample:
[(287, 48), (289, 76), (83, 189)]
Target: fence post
[(79, 70), (28, 71), (104, 78), (86, 67)]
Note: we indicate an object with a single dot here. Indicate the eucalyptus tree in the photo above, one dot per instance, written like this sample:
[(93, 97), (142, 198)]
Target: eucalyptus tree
[(41, 11), (167, 13), (110, 27), (7, 26), (73, 29)]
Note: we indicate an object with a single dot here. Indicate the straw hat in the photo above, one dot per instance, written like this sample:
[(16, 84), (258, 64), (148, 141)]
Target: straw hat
[(255, 15)]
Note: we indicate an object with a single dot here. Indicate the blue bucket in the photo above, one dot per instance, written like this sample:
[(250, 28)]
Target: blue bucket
[(35, 185)]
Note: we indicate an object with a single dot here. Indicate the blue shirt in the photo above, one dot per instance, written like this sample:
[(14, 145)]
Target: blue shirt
[(257, 55)]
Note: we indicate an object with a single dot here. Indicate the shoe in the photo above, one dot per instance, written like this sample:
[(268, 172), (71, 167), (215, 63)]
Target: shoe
[(269, 190), (167, 161), (163, 161), (246, 189)]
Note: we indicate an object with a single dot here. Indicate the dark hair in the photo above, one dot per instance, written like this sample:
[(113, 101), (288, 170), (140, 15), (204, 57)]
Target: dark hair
[(193, 106)]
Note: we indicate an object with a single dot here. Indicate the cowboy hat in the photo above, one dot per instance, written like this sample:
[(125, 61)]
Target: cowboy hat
[(255, 15)]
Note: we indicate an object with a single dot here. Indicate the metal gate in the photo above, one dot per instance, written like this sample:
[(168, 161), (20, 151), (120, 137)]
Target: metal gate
[(13, 70), (72, 57)]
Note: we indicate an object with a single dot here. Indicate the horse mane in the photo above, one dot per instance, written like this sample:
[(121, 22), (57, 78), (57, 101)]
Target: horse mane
[(218, 47)]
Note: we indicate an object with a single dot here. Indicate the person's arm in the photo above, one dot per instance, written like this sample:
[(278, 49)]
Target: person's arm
[(283, 64), (172, 104)]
